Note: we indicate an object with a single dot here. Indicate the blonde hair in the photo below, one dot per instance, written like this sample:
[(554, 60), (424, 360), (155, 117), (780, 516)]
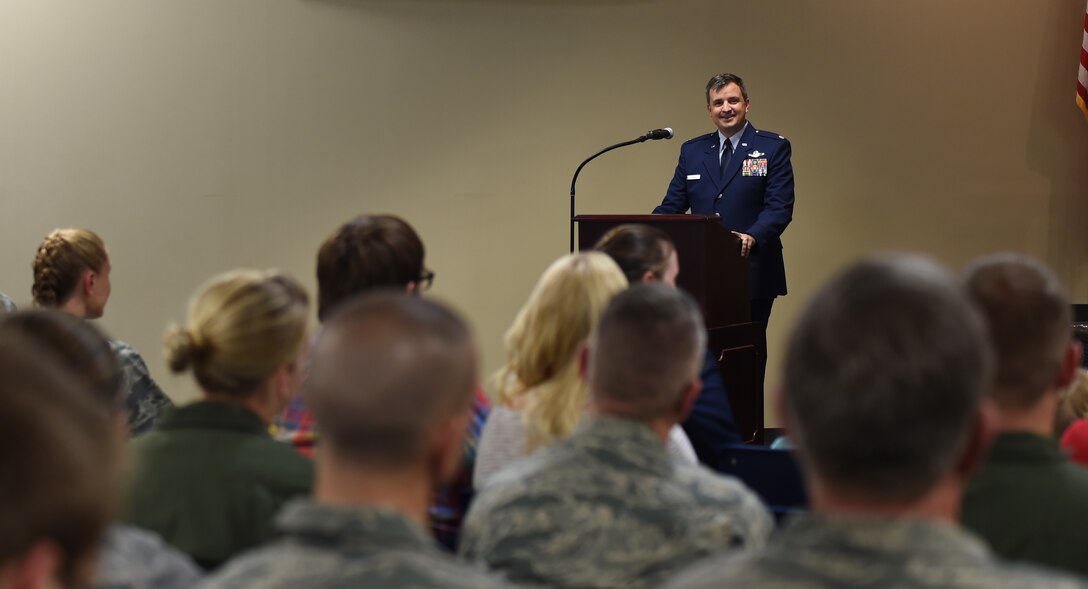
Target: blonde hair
[(242, 326), (543, 342), (62, 258)]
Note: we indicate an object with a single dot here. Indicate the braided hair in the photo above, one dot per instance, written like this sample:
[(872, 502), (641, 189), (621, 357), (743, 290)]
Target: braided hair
[(62, 258)]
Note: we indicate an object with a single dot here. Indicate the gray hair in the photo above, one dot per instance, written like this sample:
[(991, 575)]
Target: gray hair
[(385, 369), (720, 81), (1030, 323), (647, 348), (884, 377)]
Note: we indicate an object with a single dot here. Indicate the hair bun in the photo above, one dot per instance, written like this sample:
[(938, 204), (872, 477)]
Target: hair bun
[(182, 349)]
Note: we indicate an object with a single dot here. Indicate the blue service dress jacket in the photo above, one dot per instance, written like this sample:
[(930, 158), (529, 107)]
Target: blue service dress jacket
[(754, 195)]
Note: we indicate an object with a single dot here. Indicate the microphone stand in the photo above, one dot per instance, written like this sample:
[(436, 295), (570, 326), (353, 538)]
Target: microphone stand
[(574, 180)]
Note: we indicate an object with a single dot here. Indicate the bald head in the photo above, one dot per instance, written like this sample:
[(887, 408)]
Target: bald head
[(1030, 324), (386, 369)]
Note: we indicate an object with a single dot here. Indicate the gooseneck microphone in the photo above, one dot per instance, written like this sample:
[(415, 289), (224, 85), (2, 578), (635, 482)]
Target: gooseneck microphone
[(654, 135)]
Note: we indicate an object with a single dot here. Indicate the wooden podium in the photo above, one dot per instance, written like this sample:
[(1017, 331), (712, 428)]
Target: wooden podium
[(714, 273)]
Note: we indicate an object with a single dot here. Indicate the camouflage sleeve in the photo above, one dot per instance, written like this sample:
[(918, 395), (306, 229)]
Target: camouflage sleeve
[(143, 398), (756, 522)]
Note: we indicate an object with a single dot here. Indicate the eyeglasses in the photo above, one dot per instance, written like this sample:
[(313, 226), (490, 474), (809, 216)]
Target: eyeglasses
[(425, 280)]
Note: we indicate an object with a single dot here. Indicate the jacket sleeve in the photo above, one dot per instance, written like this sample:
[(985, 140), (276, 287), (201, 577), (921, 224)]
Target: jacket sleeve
[(676, 199), (777, 198)]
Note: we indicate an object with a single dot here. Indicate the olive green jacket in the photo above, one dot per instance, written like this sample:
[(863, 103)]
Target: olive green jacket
[(209, 479)]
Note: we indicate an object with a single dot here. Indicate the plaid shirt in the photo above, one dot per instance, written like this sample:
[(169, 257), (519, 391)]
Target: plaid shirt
[(450, 502)]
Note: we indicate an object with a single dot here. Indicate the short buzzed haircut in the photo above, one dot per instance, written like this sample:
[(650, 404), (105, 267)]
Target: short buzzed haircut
[(1030, 324), (884, 377), (384, 370), (367, 253), (647, 348), (56, 460)]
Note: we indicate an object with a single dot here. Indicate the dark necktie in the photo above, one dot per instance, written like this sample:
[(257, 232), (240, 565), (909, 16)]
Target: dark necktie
[(727, 152)]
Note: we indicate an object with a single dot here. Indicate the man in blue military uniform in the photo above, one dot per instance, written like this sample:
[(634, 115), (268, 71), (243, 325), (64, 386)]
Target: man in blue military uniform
[(744, 175)]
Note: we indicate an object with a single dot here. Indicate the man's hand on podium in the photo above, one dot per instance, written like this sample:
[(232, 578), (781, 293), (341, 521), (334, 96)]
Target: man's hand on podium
[(747, 242)]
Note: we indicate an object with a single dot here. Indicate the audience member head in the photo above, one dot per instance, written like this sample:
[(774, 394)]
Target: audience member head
[(645, 356), (243, 339), (884, 381), (1030, 326), (59, 486), (644, 253), (367, 253), (542, 346), (391, 382), (81, 349), (72, 273)]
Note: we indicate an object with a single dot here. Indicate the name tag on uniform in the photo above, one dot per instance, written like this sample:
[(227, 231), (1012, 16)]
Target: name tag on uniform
[(694, 176), (754, 167)]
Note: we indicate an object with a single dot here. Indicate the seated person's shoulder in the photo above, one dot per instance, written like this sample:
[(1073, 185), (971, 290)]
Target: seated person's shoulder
[(286, 565), (1024, 576)]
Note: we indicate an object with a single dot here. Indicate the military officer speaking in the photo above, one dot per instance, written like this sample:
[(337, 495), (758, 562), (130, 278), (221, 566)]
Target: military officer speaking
[(744, 175)]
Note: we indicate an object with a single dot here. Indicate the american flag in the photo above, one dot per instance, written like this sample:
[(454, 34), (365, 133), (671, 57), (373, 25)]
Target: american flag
[(1082, 73)]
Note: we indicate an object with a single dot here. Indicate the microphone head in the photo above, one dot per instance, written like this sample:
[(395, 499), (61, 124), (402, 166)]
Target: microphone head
[(665, 133)]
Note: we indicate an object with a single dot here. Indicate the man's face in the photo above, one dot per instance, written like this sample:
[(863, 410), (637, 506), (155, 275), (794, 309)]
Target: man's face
[(728, 109)]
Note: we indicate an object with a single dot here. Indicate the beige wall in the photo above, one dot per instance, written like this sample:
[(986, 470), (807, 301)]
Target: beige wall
[(201, 135)]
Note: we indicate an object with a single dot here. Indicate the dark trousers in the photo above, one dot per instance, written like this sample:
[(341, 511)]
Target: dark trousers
[(761, 310)]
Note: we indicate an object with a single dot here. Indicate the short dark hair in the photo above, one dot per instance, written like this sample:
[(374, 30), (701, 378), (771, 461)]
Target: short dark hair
[(637, 249), (384, 370), (719, 81), (647, 347), (58, 453), (368, 252), (884, 377), (1030, 323), (79, 345)]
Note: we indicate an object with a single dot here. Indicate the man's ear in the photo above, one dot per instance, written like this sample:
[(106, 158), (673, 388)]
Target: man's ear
[(647, 277), (687, 400), (979, 440), (1067, 372), (446, 446), (411, 288)]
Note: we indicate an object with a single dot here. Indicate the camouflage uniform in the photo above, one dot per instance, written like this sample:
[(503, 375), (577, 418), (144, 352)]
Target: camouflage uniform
[(837, 552), (607, 507), (333, 547), (144, 399), (132, 558)]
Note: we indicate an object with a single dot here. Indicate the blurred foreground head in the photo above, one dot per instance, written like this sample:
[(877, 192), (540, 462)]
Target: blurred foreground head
[(57, 452), (884, 379)]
